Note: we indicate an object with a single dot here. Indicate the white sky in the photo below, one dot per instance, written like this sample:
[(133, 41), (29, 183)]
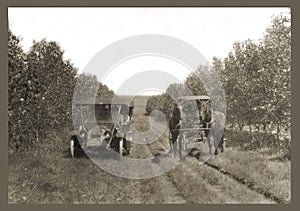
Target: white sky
[(82, 32)]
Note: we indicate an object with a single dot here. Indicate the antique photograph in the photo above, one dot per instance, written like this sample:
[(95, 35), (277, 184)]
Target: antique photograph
[(149, 105)]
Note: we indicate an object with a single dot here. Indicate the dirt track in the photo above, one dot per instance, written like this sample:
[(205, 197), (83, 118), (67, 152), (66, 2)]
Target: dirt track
[(46, 178), (190, 181)]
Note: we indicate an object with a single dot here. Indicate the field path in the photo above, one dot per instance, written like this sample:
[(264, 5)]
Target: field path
[(190, 182), (44, 177)]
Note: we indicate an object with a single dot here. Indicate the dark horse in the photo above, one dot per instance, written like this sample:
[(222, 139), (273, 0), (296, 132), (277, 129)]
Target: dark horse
[(174, 126)]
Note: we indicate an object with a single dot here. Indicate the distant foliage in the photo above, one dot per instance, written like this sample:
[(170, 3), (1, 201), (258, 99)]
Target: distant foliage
[(87, 85), (205, 81), (165, 102), (41, 85), (152, 103)]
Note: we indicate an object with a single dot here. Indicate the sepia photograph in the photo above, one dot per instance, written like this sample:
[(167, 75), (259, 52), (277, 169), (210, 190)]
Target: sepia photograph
[(149, 105)]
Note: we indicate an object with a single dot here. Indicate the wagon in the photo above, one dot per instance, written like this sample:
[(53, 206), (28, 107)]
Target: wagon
[(102, 123), (195, 122)]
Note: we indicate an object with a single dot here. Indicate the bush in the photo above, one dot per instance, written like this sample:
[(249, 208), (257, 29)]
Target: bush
[(153, 103), (246, 140)]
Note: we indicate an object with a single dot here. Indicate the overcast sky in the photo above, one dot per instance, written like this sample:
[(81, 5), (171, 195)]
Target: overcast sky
[(82, 32)]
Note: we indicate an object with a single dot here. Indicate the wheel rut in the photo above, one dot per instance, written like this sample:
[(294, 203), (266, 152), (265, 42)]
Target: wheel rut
[(248, 184)]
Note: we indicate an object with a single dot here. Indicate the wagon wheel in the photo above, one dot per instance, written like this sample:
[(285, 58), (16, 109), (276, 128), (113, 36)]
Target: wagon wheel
[(128, 139), (180, 142), (185, 142), (170, 141), (183, 145)]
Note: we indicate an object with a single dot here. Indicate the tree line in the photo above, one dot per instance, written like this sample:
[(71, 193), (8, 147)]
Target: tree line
[(41, 83), (256, 78)]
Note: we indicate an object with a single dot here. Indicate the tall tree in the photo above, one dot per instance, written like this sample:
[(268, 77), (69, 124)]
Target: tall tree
[(276, 70), (52, 82), (17, 89)]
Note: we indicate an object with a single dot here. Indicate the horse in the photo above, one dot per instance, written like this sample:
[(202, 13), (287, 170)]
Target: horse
[(216, 132), (174, 126)]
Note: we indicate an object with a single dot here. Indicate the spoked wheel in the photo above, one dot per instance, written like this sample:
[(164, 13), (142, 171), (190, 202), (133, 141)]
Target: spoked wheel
[(170, 142), (185, 143), (180, 142)]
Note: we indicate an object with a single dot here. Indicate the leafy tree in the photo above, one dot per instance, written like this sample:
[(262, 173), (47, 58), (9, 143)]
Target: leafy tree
[(88, 86), (195, 84), (52, 82), (206, 81), (41, 86), (104, 91), (276, 70), (153, 103), (17, 89), (166, 104), (241, 68)]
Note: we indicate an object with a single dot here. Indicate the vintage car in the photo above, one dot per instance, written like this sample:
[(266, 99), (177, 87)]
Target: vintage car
[(102, 122)]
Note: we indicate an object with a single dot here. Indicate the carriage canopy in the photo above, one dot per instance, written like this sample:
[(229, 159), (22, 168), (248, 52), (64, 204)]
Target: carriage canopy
[(199, 97)]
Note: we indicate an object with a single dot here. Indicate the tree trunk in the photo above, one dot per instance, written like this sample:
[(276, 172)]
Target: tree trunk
[(264, 127), (278, 130), (240, 127), (37, 136), (36, 131)]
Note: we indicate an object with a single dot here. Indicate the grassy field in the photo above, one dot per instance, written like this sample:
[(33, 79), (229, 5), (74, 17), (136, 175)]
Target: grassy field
[(53, 177), (46, 174), (261, 171)]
